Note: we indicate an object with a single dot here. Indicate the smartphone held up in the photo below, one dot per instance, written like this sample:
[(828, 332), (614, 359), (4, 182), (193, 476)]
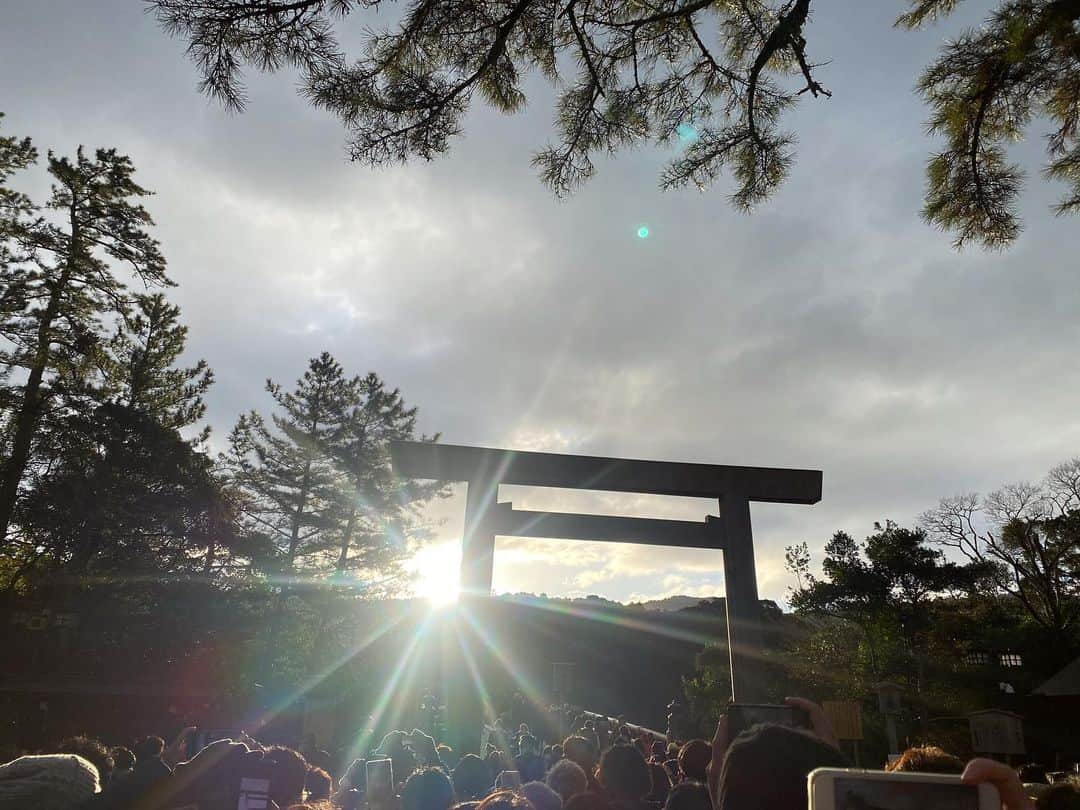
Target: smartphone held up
[(857, 789)]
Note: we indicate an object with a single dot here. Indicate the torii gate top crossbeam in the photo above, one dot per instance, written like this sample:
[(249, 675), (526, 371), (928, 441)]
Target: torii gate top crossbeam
[(449, 462)]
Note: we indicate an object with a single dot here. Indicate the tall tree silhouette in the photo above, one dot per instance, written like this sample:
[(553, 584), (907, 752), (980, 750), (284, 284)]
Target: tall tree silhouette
[(716, 75), (316, 482), (290, 485), (124, 493), (376, 498), (65, 277), (1029, 534), (143, 371)]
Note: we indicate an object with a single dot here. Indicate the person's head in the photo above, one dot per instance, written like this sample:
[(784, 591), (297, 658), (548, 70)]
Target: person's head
[(688, 796), (472, 778), (582, 751), (123, 758), (541, 797), (694, 757), (623, 773), (1032, 774), (148, 748), (448, 756), (505, 800), (1060, 796), (429, 789), (497, 763), (318, 784), (567, 778), (288, 774), (49, 782), (660, 784), (320, 758), (523, 728), (767, 765), (93, 750), (927, 759)]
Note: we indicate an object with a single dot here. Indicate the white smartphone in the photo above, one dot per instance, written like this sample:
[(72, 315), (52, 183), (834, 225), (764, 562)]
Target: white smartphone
[(380, 779), (856, 789), (508, 780)]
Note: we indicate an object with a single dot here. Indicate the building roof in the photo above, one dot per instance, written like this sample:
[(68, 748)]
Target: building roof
[(1065, 683)]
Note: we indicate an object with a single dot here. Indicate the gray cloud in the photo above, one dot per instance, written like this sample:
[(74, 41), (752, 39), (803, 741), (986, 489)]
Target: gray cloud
[(831, 329)]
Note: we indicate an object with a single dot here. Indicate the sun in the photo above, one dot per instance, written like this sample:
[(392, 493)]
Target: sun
[(437, 568)]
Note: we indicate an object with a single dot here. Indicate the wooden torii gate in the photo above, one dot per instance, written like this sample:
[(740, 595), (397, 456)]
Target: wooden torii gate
[(484, 469)]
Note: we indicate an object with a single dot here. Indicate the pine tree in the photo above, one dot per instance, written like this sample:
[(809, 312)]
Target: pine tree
[(318, 485), (66, 277), (290, 487), (716, 76), (125, 497), (143, 371), (378, 501), (124, 492)]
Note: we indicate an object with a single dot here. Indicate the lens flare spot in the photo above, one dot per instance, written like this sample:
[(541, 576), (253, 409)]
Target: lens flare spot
[(686, 133), (643, 232)]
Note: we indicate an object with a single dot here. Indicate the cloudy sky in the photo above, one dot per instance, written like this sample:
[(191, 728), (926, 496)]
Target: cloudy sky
[(830, 330)]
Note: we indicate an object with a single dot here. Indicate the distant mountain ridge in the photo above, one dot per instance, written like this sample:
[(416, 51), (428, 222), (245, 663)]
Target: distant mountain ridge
[(669, 604)]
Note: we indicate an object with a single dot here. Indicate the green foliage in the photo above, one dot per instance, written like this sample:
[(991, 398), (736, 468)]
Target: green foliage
[(628, 73), (142, 367), (125, 497), (1027, 536), (315, 482), (60, 284), (984, 90)]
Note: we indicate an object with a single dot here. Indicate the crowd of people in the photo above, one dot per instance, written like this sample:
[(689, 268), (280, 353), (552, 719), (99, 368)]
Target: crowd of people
[(598, 766)]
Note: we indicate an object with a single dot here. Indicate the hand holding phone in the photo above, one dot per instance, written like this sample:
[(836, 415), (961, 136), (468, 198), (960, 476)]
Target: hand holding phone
[(508, 780), (380, 780), (857, 789)]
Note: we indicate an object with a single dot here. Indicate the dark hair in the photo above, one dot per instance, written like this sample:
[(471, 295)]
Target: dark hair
[(1032, 773), (623, 773), (567, 778), (540, 796), (688, 796), (589, 800), (661, 783), (1061, 796), (505, 800), (429, 789), (321, 759), (472, 778), (927, 759), (123, 757), (288, 775), (91, 749), (582, 751), (319, 784), (767, 765), (148, 748), (694, 757)]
